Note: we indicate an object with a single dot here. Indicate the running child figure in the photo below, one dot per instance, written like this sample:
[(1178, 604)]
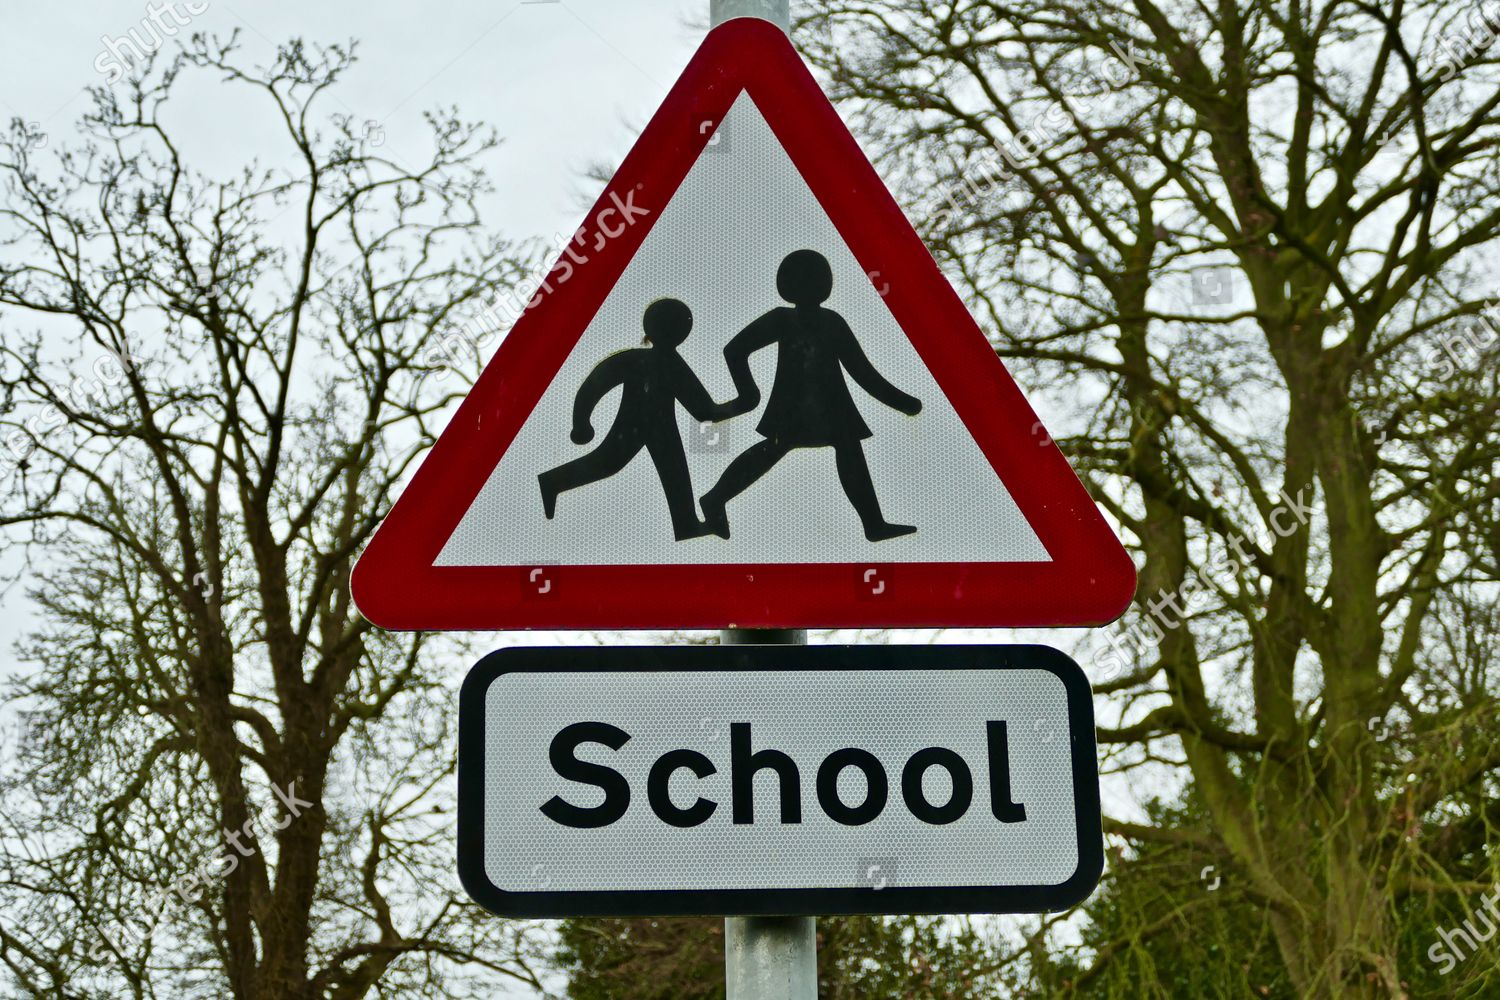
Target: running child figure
[(654, 379)]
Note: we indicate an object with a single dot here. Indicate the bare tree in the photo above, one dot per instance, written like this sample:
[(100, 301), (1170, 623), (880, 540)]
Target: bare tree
[(1251, 245), (226, 782)]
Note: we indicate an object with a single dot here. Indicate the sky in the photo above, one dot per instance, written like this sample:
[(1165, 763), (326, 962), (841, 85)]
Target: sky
[(566, 83)]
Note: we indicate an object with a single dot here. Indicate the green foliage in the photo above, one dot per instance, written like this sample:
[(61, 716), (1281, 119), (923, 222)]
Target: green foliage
[(1160, 926), (643, 959), (931, 958), (904, 957)]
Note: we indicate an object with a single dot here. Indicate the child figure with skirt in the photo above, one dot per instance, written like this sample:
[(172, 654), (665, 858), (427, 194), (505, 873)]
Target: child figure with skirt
[(810, 404)]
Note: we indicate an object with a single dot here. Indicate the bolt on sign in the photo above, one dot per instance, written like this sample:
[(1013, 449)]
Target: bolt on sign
[(777, 779), (744, 396)]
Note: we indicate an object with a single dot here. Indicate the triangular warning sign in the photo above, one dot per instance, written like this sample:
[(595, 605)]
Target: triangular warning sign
[(745, 396)]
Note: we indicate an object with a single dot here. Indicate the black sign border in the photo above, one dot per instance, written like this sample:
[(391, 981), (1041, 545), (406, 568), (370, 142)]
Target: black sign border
[(748, 902)]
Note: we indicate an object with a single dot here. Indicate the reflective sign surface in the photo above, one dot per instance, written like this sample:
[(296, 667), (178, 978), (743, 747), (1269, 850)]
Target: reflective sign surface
[(778, 779)]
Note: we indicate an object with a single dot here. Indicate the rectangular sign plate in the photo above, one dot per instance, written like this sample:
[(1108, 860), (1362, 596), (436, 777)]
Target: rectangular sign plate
[(777, 779)]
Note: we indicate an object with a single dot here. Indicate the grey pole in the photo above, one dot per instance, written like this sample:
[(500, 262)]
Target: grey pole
[(766, 958), (776, 11)]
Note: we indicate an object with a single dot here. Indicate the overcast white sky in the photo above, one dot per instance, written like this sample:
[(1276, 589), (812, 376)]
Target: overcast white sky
[(563, 80), (565, 83)]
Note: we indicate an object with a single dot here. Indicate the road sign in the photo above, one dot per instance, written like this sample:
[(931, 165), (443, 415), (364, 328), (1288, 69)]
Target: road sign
[(777, 779), (745, 395)]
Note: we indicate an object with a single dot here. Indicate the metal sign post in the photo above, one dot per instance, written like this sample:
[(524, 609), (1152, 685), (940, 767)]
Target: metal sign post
[(776, 11), (766, 958)]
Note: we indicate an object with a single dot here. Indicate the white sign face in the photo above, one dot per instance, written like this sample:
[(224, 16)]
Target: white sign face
[(779, 481), (772, 779)]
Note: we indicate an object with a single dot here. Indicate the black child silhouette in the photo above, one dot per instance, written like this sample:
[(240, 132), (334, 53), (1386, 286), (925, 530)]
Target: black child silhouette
[(654, 380), (810, 405)]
